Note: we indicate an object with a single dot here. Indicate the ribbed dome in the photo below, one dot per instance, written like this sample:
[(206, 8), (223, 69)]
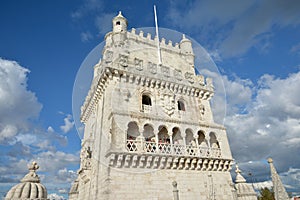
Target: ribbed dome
[(29, 188)]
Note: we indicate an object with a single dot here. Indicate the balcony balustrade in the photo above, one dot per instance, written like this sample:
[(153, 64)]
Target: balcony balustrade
[(148, 147)]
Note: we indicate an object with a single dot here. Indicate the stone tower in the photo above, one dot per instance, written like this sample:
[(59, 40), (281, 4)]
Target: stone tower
[(149, 127)]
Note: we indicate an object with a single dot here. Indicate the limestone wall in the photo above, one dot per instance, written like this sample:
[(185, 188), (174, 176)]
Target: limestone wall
[(192, 185)]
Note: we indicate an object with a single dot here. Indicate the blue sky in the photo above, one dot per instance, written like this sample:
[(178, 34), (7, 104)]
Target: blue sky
[(255, 44)]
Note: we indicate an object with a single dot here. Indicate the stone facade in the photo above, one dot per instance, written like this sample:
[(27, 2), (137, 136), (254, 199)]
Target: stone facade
[(149, 125)]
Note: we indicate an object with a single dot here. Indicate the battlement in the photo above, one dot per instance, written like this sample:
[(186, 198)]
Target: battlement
[(152, 40), (149, 39)]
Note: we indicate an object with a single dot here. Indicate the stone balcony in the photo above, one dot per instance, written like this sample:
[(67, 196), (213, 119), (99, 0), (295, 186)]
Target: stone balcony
[(152, 155), (162, 148)]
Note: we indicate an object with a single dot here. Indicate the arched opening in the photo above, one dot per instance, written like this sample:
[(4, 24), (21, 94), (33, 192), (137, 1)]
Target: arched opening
[(132, 131), (191, 146), (202, 142), (132, 134), (180, 105), (189, 137), (148, 132), (146, 100), (163, 136), (213, 140), (118, 23), (178, 145), (176, 136), (164, 145)]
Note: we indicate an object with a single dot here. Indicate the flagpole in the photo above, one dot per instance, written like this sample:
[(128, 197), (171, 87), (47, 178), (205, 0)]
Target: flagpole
[(156, 29)]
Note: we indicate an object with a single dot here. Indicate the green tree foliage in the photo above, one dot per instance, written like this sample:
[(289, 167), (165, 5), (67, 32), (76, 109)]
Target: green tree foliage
[(266, 194)]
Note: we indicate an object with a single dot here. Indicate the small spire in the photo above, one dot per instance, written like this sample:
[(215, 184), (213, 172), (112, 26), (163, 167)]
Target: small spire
[(279, 190), (239, 178), (31, 176), (33, 167)]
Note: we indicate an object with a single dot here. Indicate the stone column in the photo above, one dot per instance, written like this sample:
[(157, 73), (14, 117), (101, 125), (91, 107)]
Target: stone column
[(175, 190), (156, 142), (196, 149), (140, 140), (171, 141)]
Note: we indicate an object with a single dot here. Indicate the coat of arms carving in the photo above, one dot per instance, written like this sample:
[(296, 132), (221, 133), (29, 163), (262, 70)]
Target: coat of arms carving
[(168, 103)]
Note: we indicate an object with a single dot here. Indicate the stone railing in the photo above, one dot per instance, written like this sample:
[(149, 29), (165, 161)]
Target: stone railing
[(147, 147), (146, 108)]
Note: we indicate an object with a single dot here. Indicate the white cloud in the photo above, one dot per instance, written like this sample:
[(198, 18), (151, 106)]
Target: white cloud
[(103, 22), (18, 105), (54, 196), (66, 176), (267, 126), (264, 184), (236, 26), (86, 36), (69, 123), (86, 8)]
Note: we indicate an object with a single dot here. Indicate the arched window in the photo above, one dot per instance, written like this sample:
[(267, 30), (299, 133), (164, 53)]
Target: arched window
[(176, 136), (148, 132), (163, 136), (132, 134), (201, 139), (181, 105), (213, 140), (146, 100), (118, 23), (189, 137)]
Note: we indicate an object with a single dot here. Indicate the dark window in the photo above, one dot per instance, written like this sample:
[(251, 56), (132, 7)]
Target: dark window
[(118, 23), (181, 105), (146, 100)]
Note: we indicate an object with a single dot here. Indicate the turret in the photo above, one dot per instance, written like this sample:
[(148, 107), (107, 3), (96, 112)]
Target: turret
[(186, 48), (119, 29), (119, 23)]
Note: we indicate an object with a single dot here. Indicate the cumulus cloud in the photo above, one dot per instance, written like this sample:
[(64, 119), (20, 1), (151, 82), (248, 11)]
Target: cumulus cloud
[(69, 124), (54, 196), (264, 123), (66, 176), (18, 105), (236, 26)]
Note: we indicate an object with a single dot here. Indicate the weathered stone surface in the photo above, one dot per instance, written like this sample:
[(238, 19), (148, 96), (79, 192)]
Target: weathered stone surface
[(148, 124)]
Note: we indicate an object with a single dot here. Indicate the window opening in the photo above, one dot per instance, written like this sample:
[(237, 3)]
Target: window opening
[(181, 105), (146, 100), (118, 23)]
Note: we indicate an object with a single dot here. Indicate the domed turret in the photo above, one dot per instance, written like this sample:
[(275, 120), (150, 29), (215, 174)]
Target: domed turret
[(119, 23), (243, 188), (29, 188), (186, 48), (119, 33)]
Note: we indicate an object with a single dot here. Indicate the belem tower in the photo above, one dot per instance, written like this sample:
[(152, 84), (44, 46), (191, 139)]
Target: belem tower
[(149, 129)]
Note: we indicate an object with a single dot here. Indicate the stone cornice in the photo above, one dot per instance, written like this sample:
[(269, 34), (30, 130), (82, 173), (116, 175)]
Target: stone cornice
[(148, 161)]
